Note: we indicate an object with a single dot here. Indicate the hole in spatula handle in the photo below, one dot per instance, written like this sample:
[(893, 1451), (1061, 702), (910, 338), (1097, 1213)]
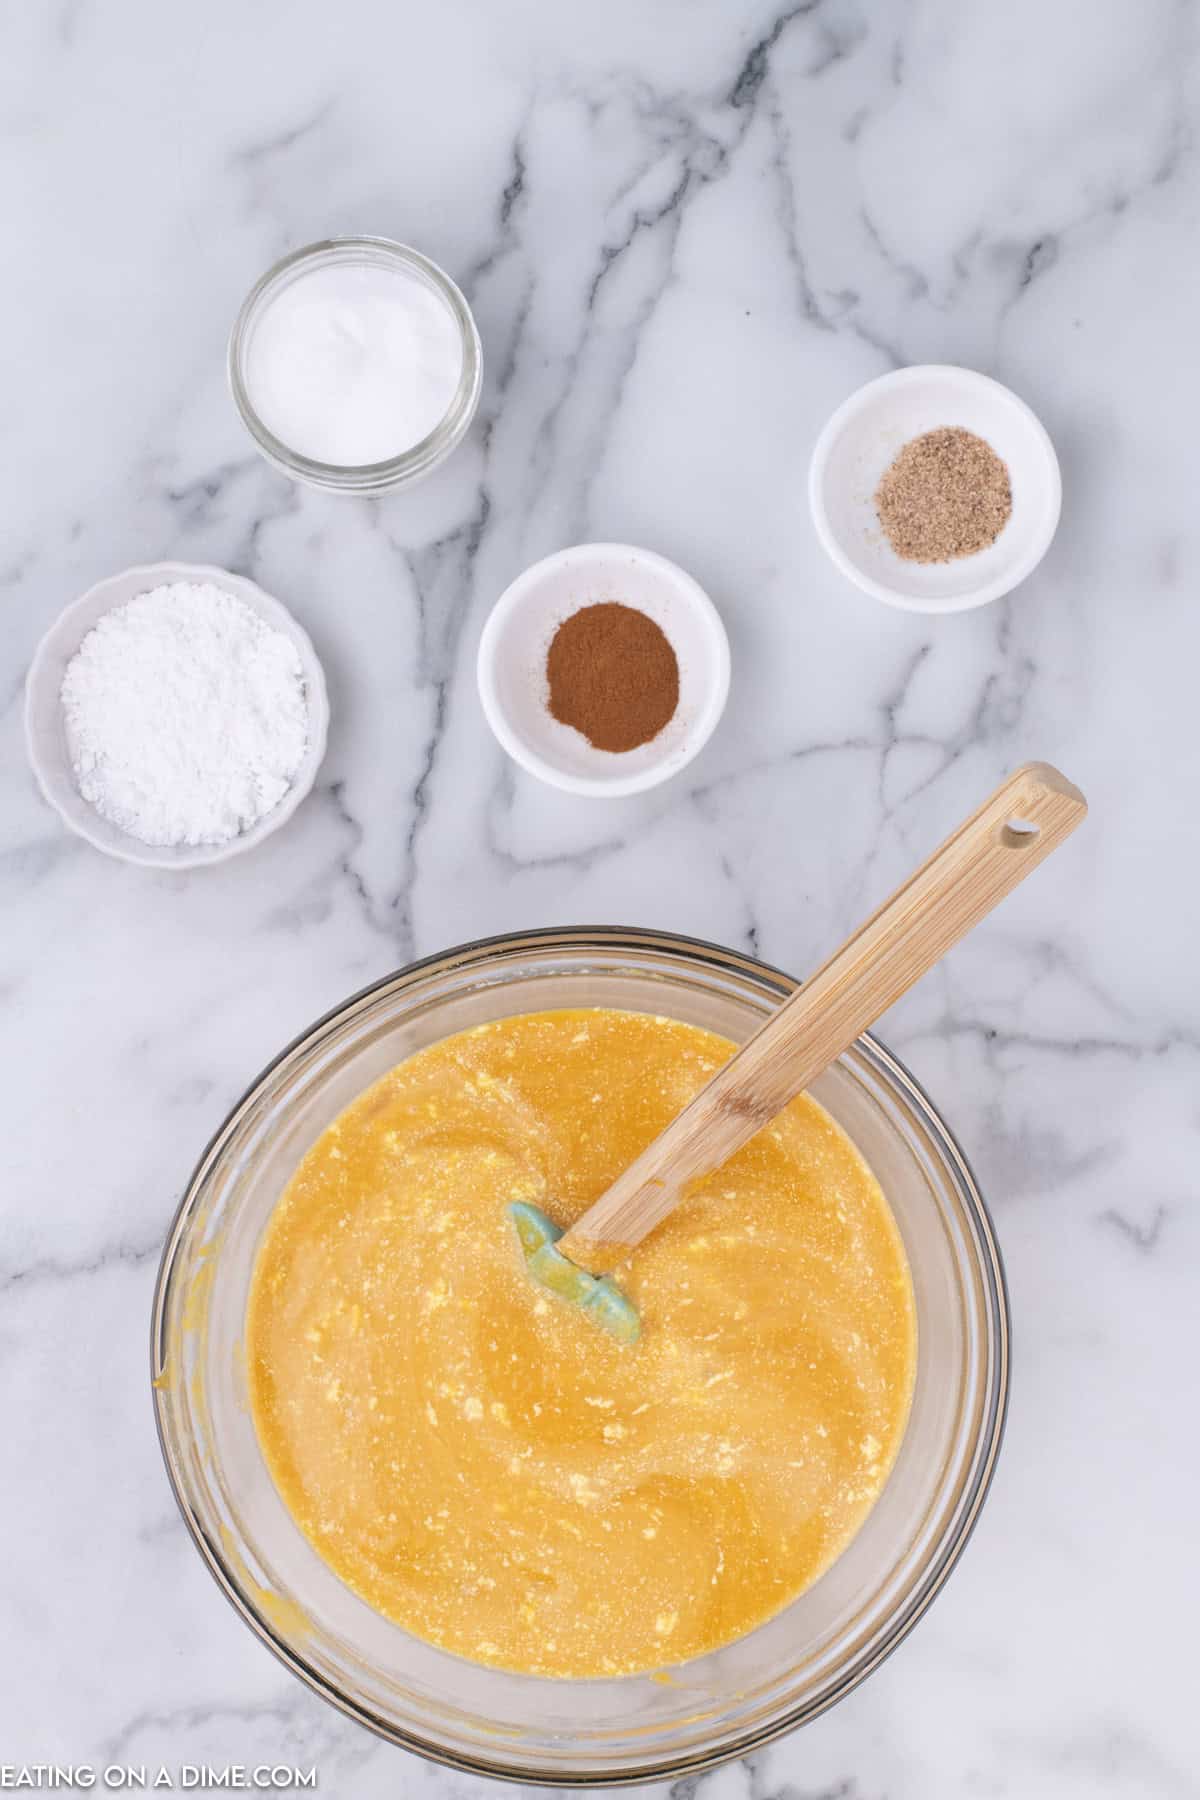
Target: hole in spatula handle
[(1019, 834)]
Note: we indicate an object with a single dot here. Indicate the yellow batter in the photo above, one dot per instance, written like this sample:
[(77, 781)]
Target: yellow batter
[(494, 1472)]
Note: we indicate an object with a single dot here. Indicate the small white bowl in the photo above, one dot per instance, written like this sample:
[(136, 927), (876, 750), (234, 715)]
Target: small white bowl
[(45, 733), (512, 666), (861, 440)]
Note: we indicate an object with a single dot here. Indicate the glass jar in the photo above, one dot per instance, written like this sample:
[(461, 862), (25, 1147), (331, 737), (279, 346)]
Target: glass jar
[(409, 465), (526, 1728)]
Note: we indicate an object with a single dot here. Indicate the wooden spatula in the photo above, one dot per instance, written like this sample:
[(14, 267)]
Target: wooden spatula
[(1026, 818)]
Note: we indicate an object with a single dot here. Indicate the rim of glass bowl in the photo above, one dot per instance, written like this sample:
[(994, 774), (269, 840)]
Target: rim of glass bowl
[(419, 459), (975, 1482)]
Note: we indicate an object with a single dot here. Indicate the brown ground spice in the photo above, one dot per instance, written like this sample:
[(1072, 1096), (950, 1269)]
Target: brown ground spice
[(946, 495), (613, 675)]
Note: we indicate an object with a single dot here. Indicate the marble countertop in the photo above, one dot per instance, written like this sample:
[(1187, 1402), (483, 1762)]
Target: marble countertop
[(688, 229)]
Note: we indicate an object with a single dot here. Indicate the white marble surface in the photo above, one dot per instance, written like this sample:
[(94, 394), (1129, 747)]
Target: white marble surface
[(688, 229)]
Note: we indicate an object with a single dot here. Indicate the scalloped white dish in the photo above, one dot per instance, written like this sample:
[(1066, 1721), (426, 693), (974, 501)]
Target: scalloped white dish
[(45, 732)]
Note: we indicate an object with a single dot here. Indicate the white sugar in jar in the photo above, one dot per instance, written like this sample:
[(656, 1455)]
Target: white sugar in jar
[(355, 364)]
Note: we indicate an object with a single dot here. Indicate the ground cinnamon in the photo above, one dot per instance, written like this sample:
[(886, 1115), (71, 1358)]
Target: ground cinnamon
[(613, 676)]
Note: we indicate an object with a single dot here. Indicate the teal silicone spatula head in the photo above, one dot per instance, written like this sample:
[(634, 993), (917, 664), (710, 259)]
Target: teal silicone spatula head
[(1026, 818), (597, 1296)]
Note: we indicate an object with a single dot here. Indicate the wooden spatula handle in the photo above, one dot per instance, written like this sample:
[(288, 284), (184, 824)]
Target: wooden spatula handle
[(1026, 818)]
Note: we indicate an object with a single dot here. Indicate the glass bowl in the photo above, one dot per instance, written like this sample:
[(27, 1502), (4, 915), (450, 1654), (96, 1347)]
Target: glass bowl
[(396, 471), (525, 1728)]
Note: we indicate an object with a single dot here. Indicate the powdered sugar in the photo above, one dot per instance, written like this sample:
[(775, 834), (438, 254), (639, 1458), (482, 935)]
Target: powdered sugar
[(186, 715)]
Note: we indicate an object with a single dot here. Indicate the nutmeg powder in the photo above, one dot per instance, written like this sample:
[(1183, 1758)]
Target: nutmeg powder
[(613, 676), (947, 494)]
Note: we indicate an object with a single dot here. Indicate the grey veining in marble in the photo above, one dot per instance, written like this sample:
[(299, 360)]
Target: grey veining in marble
[(688, 229)]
